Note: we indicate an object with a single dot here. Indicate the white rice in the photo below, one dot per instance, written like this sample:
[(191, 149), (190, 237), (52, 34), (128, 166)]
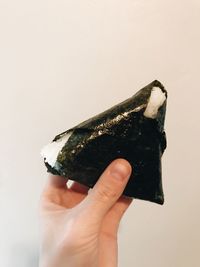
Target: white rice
[(156, 100), (50, 152)]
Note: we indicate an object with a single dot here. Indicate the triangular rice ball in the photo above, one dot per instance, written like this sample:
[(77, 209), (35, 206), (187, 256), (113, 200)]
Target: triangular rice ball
[(133, 130)]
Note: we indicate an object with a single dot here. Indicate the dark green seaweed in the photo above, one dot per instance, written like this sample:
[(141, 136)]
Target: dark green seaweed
[(120, 132)]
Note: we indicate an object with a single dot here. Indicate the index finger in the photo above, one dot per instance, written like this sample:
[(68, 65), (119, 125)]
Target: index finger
[(56, 182)]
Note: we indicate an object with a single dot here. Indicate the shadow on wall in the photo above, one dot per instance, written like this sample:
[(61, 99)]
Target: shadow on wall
[(24, 255)]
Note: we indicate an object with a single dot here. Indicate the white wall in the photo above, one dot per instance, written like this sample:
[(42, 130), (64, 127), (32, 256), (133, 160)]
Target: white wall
[(66, 60)]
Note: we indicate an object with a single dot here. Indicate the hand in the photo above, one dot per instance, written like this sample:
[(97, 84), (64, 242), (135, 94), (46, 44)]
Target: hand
[(79, 226)]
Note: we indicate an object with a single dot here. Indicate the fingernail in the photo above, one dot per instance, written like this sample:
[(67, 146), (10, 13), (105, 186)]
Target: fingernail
[(120, 171)]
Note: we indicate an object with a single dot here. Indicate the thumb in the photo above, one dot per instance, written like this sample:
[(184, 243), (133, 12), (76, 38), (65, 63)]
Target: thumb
[(108, 189)]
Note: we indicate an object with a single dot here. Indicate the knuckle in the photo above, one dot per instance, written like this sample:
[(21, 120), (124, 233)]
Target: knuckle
[(110, 235), (106, 193), (51, 197)]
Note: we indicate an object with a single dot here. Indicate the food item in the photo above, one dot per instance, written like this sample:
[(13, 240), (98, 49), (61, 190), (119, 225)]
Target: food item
[(133, 130)]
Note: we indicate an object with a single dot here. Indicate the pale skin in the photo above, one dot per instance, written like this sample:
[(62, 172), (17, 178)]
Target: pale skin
[(79, 227)]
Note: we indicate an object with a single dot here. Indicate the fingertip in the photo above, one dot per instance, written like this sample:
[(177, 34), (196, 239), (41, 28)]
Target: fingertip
[(123, 165), (80, 188), (56, 181), (125, 199)]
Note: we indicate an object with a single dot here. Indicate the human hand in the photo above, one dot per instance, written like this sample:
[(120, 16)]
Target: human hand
[(79, 226)]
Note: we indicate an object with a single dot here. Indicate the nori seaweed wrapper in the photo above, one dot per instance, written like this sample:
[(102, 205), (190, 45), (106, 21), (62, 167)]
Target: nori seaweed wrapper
[(120, 132)]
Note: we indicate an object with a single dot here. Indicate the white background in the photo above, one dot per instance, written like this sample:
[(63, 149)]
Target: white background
[(64, 61)]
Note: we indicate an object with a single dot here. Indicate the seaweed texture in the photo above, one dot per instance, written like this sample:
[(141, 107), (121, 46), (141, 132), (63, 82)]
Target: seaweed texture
[(119, 132)]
